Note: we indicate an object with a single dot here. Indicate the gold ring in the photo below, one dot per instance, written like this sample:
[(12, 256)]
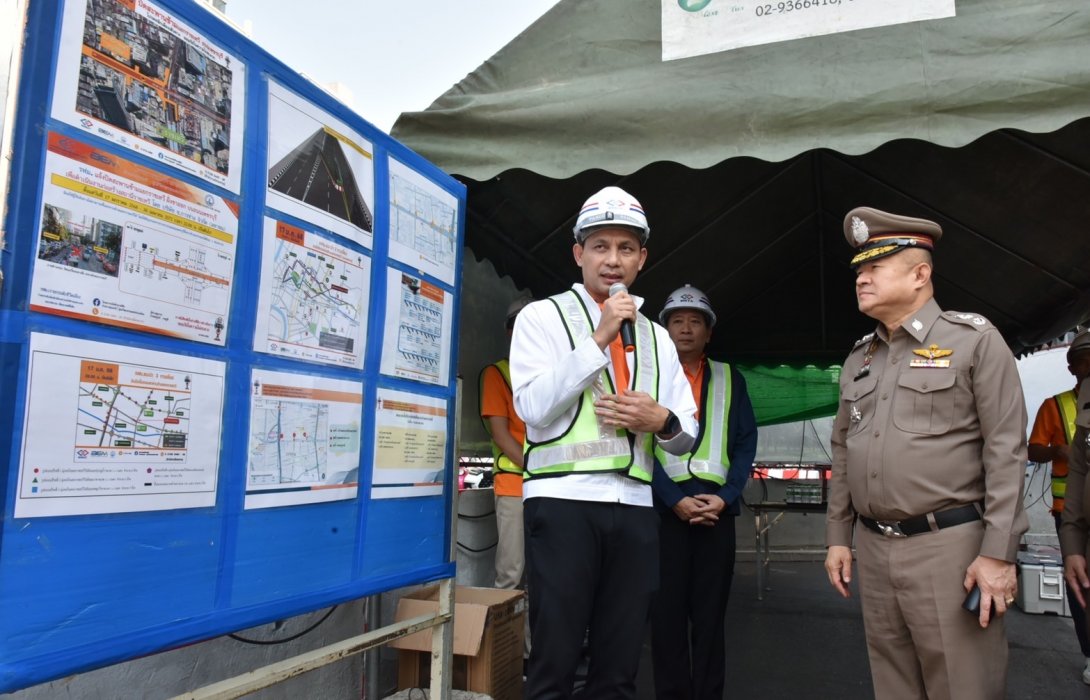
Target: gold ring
[(1010, 600)]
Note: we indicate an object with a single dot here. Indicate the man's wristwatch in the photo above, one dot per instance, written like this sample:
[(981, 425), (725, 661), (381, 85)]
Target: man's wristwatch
[(672, 425)]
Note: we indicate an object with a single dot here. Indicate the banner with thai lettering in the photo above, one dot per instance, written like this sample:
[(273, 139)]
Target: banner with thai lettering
[(698, 27)]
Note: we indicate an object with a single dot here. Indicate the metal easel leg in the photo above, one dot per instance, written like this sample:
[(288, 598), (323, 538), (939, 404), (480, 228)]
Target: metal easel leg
[(442, 644)]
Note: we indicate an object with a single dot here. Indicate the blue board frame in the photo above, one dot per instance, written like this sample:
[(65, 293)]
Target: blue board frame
[(82, 591)]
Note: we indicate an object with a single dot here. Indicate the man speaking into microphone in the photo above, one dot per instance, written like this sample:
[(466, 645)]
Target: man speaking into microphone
[(594, 413)]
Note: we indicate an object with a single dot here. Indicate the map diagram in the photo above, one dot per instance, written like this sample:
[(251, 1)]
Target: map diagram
[(421, 328), (133, 418), (316, 303), (173, 270), (422, 222), (304, 439), (289, 443)]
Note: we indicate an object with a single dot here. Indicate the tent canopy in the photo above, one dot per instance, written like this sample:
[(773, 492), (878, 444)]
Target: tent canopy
[(747, 161)]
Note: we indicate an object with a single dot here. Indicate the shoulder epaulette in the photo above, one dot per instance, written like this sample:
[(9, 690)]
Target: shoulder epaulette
[(865, 339), (967, 319)]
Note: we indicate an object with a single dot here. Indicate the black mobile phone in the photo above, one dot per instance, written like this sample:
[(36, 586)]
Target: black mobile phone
[(972, 601)]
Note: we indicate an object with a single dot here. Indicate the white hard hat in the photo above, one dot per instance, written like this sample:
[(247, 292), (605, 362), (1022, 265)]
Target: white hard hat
[(611, 206), (1079, 344), (687, 297), (516, 306)]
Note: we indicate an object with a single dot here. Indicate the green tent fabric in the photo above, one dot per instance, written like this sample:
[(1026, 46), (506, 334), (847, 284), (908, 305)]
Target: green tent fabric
[(784, 394), (585, 87)]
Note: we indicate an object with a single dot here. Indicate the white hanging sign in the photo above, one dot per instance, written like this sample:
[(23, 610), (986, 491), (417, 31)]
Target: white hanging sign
[(697, 27)]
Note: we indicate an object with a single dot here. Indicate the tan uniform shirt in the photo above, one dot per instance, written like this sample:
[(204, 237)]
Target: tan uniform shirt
[(1076, 521), (918, 434)]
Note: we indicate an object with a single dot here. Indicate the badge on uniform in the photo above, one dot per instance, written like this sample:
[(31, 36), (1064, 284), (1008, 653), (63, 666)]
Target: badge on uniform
[(856, 416), (931, 357), (977, 320)]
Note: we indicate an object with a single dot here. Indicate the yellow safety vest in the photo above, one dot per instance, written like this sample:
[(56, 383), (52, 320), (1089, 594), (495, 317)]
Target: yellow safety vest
[(1068, 404), (710, 460), (589, 446), (499, 460)]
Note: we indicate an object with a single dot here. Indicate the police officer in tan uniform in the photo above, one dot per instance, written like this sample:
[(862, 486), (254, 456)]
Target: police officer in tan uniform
[(929, 453), (1075, 527)]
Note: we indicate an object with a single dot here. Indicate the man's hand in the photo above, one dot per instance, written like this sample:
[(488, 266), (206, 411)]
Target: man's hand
[(709, 510), (1075, 575), (617, 308), (838, 565), (997, 581), (687, 508), (634, 410)]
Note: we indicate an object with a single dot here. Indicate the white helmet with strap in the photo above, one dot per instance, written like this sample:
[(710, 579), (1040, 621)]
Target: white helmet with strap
[(611, 206), (1079, 344), (688, 297)]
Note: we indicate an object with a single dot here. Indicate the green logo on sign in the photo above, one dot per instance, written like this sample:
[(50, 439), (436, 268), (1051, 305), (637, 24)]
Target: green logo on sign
[(693, 5)]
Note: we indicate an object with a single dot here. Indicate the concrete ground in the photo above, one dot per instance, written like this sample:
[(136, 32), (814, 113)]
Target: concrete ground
[(805, 641)]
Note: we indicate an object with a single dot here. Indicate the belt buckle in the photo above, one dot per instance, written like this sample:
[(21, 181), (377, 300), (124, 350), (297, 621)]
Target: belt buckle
[(890, 528)]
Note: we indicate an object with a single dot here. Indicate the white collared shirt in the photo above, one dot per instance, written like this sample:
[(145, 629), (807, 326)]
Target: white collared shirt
[(548, 378)]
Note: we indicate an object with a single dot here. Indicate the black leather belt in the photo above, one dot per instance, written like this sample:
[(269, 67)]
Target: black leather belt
[(920, 523)]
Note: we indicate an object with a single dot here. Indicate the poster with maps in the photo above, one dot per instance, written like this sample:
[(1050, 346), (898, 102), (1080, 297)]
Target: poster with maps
[(423, 223), (304, 439), (313, 299), (116, 429), (417, 332), (133, 73), (128, 246)]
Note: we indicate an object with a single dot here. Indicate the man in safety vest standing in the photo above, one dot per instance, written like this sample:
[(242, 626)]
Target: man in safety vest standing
[(596, 397), (929, 456), (497, 410), (698, 495), (1049, 441)]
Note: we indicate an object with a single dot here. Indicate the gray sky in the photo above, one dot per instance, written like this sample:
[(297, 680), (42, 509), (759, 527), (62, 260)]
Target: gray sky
[(393, 57)]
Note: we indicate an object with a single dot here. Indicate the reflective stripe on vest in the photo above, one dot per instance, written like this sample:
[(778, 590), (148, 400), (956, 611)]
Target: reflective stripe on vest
[(710, 460), (588, 445), (1069, 409), (500, 461)]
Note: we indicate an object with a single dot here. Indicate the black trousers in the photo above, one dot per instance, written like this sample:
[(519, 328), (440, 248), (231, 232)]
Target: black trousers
[(687, 646), (591, 565)]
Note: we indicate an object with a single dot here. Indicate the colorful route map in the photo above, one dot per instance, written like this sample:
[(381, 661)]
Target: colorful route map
[(313, 298)]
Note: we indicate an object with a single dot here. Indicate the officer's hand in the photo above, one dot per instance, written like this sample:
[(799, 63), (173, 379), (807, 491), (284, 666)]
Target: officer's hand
[(617, 308), (634, 410), (1075, 575), (838, 565), (998, 582)]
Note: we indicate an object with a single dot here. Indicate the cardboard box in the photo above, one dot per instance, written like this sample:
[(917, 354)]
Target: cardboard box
[(488, 641), (1041, 585)]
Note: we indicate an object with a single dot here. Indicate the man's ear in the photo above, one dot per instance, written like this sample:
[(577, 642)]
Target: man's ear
[(577, 253), (922, 273)]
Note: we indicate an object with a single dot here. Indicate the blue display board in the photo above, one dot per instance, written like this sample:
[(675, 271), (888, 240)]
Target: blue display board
[(227, 337)]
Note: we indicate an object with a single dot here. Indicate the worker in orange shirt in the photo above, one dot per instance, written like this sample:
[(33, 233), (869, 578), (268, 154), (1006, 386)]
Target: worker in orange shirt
[(1049, 442), (508, 433)]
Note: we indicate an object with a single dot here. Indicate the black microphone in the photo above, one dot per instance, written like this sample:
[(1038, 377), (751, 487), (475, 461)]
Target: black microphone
[(628, 335)]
